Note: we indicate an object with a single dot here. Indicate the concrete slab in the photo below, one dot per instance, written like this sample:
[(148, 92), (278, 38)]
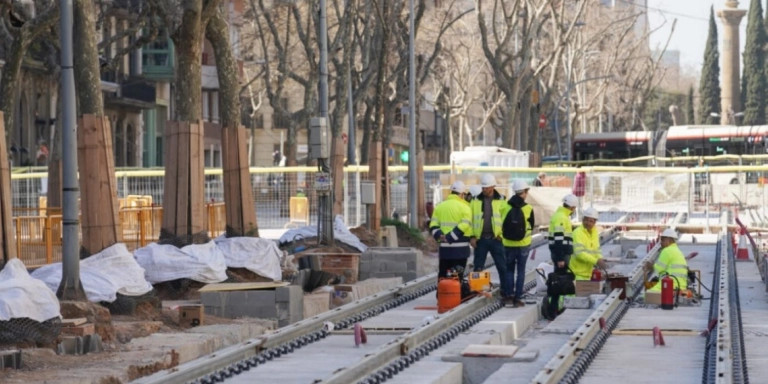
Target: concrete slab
[(531, 357), (313, 362), (430, 372), (679, 362)]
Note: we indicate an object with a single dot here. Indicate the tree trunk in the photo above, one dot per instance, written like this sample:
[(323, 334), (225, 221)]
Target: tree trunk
[(7, 234), (86, 59), (98, 187), (238, 196), (184, 221)]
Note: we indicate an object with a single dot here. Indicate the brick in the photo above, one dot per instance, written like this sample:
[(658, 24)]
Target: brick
[(79, 330)]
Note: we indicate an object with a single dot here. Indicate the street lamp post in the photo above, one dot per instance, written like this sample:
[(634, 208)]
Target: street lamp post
[(731, 116), (413, 187)]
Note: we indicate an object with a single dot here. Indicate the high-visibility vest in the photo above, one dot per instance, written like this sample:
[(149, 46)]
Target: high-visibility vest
[(561, 233), (586, 252), (527, 213), (672, 262), (497, 204), (453, 219)]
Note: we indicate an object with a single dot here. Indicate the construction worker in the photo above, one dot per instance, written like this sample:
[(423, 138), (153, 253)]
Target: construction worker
[(670, 262), (516, 251), (561, 232), (586, 247), (451, 226), (474, 191), (560, 247), (486, 227)]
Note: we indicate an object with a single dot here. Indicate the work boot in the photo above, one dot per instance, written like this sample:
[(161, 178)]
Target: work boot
[(508, 301), (518, 303)]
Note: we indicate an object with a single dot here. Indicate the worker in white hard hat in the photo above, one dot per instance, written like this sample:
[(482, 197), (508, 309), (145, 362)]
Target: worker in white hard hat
[(486, 227), (539, 180), (451, 226), (560, 238), (474, 191), (670, 262), (517, 226), (586, 247)]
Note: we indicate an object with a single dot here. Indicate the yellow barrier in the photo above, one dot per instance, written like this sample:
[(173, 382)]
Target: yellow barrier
[(299, 207), (39, 237)]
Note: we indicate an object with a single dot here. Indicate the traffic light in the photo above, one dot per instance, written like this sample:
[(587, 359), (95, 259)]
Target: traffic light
[(404, 156)]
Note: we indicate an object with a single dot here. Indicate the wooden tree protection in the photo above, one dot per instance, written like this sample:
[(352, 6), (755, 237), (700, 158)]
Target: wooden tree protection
[(7, 245), (241, 214), (184, 220), (98, 185)]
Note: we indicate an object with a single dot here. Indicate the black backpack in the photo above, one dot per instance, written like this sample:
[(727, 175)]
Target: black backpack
[(514, 226)]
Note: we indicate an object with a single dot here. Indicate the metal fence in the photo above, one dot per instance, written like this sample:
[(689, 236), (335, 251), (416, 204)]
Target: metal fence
[(38, 226)]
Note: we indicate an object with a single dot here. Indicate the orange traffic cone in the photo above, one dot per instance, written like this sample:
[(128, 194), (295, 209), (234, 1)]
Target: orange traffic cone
[(742, 253)]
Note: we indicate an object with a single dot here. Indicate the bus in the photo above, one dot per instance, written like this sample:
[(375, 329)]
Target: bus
[(693, 141)]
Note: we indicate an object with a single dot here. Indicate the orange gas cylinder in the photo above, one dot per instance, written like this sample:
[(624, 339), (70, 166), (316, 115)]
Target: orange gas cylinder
[(448, 294)]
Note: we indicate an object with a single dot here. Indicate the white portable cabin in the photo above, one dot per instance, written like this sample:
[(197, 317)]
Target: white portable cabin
[(490, 157)]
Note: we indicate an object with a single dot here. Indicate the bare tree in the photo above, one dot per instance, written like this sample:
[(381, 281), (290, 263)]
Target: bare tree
[(517, 26), (241, 213), (183, 200)]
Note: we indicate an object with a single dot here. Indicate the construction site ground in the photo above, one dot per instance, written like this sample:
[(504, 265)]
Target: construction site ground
[(151, 338)]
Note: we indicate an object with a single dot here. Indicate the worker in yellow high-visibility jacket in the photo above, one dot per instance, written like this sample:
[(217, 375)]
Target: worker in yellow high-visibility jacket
[(586, 247), (670, 262), (451, 226)]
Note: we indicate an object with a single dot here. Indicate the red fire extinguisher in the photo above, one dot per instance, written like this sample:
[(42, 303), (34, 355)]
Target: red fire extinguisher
[(597, 275), (667, 293)]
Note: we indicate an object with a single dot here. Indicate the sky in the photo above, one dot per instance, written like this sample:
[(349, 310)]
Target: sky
[(690, 35)]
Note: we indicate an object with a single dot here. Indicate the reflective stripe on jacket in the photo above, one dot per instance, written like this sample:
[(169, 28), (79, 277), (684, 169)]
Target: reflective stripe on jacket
[(672, 262), (586, 252), (452, 218), (497, 204), (560, 234)]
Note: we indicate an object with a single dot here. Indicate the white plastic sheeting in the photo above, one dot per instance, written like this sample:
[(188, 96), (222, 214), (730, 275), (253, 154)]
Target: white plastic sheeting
[(207, 263), (541, 281), (340, 233), (103, 275), (261, 256), (22, 296), (200, 262)]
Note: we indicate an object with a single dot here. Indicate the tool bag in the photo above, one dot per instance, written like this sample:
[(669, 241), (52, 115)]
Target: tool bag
[(559, 284)]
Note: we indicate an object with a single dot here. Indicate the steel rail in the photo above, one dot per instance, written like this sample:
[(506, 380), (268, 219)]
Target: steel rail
[(310, 329), (557, 367), (410, 341), (573, 358)]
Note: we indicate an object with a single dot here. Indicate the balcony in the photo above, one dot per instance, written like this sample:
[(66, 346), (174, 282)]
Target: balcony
[(158, 60), (134, 92)]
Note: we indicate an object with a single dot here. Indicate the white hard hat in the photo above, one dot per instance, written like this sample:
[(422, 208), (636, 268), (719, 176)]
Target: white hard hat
[(475, 190), (570, 200), (488, 181), (520, 186), (669, 232), (458, 187), (591, 213)]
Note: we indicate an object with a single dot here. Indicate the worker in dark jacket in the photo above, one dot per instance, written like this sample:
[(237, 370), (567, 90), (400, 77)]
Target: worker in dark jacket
[(560, 247)]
